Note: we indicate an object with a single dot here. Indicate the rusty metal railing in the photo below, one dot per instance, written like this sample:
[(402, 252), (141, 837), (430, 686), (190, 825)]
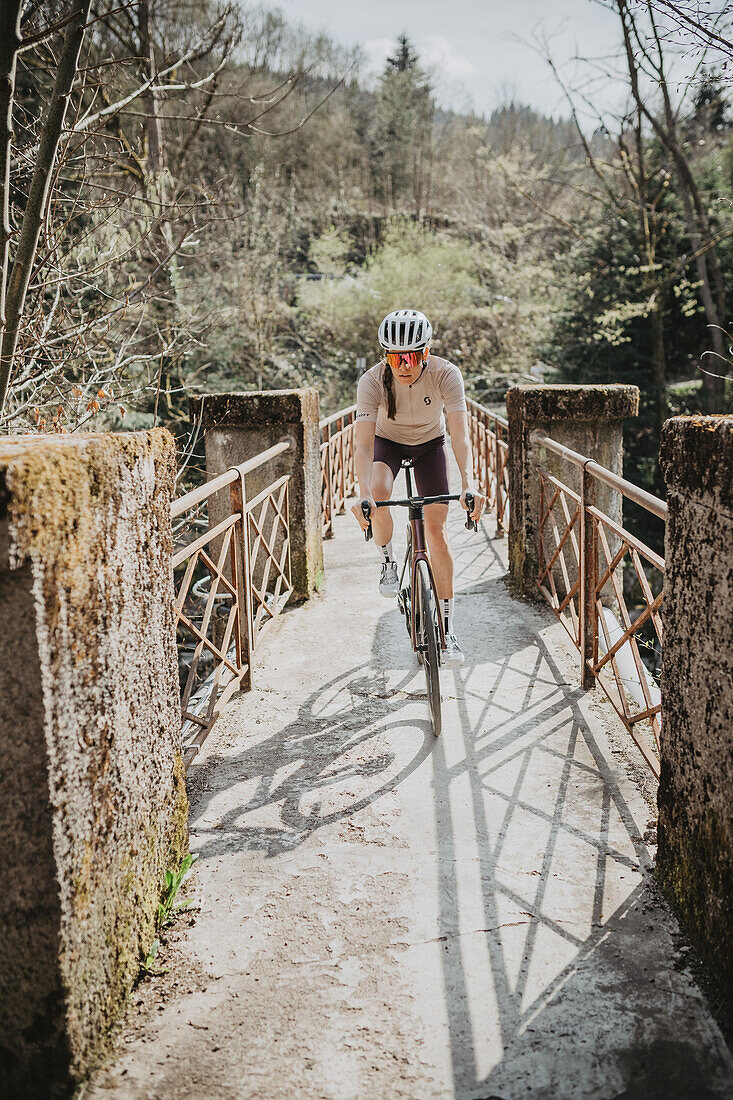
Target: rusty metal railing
[(231, 583), (488, 432), (338, 472), (233, 579), (582, 552)]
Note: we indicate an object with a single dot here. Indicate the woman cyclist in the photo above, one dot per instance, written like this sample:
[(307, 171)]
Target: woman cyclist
[(402, 405)]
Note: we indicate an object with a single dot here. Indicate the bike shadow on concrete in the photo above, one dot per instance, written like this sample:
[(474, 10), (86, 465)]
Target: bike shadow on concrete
[(314, 753), (337, 736)]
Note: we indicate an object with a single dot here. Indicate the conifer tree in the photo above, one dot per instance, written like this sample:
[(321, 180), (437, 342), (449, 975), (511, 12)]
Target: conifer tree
[(401, 133)]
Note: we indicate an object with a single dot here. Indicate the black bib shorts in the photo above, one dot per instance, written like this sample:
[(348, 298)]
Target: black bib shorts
[(430, 462)]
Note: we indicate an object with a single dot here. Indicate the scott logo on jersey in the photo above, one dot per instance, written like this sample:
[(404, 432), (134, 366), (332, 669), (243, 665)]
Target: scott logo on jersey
[(427, 400)]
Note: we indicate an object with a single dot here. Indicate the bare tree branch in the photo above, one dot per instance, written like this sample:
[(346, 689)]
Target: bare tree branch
[(38, 193)]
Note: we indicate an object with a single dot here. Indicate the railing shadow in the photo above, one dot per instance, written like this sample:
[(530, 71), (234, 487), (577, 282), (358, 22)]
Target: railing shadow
[(549, 853), (500, 742)]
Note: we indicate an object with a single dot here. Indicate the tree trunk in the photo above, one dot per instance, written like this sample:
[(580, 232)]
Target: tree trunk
[(38, 193), (659, 369), (696, 220), (700, 236), (9, 44), (712, 386), (156, 188), (150, 99)]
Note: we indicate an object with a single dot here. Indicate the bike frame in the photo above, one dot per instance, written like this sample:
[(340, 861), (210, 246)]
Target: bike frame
[(418, 547), (416, 553), (420, 553)]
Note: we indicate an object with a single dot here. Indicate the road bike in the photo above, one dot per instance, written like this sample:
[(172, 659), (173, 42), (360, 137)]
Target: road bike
[(417, 599)]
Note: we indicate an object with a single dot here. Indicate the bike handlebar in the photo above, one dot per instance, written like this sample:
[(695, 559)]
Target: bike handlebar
[(443, 498)]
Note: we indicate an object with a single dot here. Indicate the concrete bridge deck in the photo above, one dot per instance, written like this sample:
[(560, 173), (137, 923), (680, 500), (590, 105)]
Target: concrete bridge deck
[(386, 915)]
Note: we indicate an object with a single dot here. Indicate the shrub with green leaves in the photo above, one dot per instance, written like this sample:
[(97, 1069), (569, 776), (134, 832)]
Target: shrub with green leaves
[(452, 280)]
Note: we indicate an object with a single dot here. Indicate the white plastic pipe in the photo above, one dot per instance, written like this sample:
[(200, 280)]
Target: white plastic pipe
[(625, 663)]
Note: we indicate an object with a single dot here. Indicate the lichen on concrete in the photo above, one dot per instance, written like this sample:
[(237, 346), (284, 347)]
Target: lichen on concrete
[(695, 863), (696, 456), (88, 531), (578, 402)]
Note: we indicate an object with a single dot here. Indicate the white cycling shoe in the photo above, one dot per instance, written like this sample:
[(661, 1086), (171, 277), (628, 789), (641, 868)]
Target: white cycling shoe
[(389, 583), (452, 655)]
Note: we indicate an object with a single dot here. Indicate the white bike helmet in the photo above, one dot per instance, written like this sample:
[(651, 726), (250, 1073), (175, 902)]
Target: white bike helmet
[(405, 330)]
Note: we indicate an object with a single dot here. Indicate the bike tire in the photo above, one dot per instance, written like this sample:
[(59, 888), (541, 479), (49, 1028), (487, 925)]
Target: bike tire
[(427, 634)]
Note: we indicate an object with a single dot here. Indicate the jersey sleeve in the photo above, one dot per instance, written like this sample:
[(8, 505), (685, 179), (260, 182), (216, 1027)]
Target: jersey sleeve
[(450, 383), (368, 397)]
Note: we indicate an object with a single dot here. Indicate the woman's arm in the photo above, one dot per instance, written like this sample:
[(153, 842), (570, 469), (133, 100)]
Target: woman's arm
[(461, 444), (364, 432)]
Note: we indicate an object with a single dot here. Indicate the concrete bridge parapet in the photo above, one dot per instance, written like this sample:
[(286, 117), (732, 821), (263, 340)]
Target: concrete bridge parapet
[(587, 419), (93, 807), (695, 860), (238, 426)]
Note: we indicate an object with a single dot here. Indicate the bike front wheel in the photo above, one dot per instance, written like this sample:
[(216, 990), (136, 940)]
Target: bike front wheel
[(427, 636)]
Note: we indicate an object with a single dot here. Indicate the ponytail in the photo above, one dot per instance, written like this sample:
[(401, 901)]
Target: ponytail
[(388, 386)]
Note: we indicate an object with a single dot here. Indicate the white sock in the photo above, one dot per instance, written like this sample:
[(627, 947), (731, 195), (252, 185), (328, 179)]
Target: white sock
[(385, 552), (448, 615)]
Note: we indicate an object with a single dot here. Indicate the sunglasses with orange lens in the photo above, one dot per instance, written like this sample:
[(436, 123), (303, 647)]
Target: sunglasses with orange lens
[(411, 359)]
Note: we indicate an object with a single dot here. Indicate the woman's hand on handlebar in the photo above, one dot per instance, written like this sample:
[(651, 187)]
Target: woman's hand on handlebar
[(479, 501), (359, 513)]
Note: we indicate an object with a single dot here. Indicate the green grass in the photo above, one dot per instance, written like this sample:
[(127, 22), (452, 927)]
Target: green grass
[(147, 967), (167, 909)]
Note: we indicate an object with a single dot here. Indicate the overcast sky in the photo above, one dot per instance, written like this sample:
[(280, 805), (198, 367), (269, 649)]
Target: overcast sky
[(475, 43)]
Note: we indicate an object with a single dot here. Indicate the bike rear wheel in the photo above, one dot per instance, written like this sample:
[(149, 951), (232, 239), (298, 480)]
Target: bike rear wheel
[(428, 641)]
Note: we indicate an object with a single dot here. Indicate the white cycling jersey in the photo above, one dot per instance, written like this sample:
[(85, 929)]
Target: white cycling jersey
[(418, 407)]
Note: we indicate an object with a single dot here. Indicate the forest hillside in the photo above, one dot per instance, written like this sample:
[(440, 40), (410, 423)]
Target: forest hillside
[(232, 204)]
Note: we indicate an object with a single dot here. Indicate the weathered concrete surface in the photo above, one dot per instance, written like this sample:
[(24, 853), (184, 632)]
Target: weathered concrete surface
[(384, 915), (93, 807), (696, 785), (238, 426), (589, 420)]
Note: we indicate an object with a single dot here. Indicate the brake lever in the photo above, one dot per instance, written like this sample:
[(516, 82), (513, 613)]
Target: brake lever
[(471, 524), (366, 512)]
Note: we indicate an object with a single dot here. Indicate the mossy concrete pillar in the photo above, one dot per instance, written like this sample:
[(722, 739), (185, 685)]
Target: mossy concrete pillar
[(238, 426), (589, 420), (93, 806), (695, 859)]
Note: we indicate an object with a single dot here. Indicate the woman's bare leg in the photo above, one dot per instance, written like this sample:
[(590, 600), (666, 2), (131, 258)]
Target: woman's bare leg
[(441, 558), (382, 482)]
